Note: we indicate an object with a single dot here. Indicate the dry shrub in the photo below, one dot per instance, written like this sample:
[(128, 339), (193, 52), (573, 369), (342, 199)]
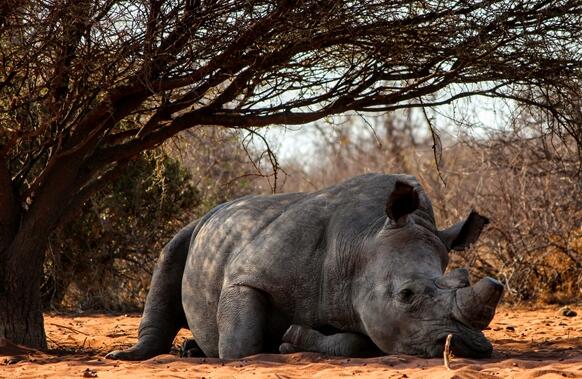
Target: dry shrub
[(532, 194), (528, 185)]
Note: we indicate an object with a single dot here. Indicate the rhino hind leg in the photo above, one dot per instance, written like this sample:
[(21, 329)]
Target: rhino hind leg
[(241, 322), (301, 338), (163, 315)]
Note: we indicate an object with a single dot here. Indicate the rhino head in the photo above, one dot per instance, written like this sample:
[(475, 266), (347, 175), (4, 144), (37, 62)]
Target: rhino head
[(404, 302)]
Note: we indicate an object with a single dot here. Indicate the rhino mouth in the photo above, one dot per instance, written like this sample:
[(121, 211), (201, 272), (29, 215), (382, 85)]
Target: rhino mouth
[(466, 342)]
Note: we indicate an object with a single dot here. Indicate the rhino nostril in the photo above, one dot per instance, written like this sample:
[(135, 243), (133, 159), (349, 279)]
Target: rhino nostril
[(406, 295)]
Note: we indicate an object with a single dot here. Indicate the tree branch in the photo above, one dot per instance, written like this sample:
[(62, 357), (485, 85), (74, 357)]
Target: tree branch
[(74, 205)]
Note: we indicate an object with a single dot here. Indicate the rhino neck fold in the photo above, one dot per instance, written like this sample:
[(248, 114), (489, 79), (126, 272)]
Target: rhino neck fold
[(336, 292)]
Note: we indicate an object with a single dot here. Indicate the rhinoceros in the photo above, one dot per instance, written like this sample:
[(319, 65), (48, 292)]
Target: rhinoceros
[(355, 269)]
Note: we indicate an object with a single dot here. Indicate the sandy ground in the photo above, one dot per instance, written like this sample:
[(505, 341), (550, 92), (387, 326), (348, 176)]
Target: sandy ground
[(528, 343)]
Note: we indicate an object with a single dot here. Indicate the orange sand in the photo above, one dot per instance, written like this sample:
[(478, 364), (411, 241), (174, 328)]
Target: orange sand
[(528, 343)]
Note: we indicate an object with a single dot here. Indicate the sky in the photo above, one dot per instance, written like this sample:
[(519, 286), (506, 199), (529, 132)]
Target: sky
[(477, 116)]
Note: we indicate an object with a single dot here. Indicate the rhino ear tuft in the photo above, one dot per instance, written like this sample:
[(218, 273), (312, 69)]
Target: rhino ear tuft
[(402, 201), (463, 234)]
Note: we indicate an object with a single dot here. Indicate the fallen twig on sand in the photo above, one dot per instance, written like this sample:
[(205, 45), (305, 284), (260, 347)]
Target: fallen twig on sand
[(69, 328)]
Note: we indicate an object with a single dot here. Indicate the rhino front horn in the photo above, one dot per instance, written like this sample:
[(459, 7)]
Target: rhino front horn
[(476, 304)]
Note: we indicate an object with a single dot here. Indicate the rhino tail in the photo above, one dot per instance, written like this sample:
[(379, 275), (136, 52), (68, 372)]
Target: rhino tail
[(163, 314)]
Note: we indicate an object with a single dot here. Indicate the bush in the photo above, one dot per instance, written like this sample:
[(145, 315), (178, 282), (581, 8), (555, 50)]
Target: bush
[(532, 195), (104, 260)]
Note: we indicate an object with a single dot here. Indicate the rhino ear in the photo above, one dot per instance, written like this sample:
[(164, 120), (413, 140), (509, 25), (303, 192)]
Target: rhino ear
[(402, 201), (463, 234)]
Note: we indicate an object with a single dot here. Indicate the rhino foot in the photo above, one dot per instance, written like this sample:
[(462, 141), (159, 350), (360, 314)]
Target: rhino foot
[(287, 348), (190, 349), (300, 338), (300, 335), (125, 355), (135, 353)]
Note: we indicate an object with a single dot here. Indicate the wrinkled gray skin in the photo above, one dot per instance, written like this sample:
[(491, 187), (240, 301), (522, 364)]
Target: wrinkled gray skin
[(353, 269)]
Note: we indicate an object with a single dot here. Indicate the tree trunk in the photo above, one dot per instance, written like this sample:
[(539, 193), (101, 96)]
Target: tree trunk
[(21, 267), (21, 319), (22, 258)]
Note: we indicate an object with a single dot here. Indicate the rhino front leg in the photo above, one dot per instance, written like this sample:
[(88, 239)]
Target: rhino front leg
[(301, 338), (241, 322)]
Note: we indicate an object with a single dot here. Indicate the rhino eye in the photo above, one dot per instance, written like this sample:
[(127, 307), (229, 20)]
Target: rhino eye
[(405, 295)]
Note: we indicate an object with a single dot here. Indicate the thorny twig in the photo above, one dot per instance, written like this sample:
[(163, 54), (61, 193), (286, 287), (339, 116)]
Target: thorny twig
[(447, 353)]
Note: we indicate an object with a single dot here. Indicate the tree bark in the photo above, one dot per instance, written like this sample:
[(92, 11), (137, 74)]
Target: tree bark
[(9, 210), (22, 258), (21, 319)]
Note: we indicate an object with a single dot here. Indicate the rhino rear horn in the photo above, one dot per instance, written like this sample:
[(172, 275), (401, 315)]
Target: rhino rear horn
[(402, 201)]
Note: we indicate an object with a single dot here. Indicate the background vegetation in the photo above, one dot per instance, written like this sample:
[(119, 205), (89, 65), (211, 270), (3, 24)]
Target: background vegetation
[(528, 183), (105, 258)]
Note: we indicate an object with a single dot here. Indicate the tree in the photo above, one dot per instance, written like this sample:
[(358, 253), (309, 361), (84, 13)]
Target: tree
[(87, 85)]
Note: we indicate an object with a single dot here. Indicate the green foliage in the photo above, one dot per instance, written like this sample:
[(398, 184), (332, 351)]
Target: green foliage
[(104, 258)]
